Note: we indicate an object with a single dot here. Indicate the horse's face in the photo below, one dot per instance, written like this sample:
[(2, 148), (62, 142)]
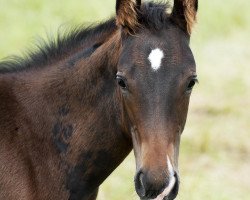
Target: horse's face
[(156, 74)]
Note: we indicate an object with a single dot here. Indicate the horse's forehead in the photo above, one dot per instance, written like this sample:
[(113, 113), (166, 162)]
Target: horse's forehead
[(156, 52), (167, 52), (167, 43)]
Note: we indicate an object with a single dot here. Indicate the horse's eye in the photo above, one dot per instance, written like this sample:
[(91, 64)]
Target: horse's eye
[(191, 84), (121, 82)]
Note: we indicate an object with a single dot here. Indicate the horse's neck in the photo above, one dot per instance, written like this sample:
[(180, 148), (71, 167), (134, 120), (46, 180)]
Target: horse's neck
[(97, 145), (75, 113)]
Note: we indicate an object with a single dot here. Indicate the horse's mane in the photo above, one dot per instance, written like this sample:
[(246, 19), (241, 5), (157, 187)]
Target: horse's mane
[(152, 16), (51, 49)]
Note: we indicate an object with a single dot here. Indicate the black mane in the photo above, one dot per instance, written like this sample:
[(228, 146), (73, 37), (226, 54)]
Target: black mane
[(152, 16), (47, 51)]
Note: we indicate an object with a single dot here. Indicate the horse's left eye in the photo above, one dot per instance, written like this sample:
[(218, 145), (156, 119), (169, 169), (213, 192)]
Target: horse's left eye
[(121, 82)]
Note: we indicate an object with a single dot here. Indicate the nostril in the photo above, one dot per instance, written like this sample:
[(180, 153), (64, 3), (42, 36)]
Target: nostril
[(139, 184)]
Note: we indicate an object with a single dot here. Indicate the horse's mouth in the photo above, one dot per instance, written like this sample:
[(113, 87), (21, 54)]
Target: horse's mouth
[(170, 192)]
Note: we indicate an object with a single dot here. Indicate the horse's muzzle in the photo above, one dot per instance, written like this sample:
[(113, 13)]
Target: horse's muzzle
[(149, 189)]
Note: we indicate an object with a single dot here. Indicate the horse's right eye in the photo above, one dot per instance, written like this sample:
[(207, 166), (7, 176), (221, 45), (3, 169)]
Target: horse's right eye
[(121, 82)]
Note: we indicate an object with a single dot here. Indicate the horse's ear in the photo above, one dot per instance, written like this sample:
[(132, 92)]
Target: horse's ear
[(127, 13), (184, 13)]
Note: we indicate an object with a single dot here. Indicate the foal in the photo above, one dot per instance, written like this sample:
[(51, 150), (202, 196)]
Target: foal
[(73, 110)]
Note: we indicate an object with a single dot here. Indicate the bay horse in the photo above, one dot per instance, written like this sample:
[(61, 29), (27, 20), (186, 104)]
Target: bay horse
[(71, 111)]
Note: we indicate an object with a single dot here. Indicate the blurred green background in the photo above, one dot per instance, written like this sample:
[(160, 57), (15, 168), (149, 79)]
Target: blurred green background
[(215, 148)]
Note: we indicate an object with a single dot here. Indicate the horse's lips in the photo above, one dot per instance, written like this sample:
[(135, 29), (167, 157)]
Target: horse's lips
[(167, 190)]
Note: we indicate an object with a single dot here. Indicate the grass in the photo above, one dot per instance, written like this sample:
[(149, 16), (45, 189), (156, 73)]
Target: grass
[(215, 147)]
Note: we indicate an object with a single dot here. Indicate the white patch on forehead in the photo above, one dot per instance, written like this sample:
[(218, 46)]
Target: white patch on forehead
[(155, 57)]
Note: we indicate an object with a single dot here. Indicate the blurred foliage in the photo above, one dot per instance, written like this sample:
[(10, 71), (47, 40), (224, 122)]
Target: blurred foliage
[(215, 150)]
